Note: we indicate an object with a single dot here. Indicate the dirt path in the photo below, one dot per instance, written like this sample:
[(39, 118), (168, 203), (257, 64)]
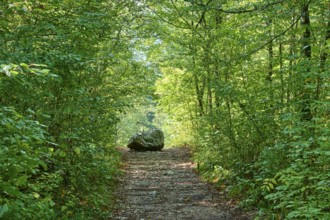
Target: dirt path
[(162, 185)]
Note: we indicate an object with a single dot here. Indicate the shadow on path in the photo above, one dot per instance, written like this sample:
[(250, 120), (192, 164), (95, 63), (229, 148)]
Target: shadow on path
[(162, 185)]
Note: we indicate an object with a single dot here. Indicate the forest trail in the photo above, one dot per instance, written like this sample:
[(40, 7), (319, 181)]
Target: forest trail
[(162, 185)]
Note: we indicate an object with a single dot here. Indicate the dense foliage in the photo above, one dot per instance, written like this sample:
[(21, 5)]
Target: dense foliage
[(250, 81), (67, 69), (244, 82)]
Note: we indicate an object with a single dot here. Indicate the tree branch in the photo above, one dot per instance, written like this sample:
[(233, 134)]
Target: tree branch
[(270, 40), (185, 20), (203, 15), (166, 21), (244, 10)]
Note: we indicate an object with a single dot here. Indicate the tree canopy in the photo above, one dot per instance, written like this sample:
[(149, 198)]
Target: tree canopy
[(244, 83)]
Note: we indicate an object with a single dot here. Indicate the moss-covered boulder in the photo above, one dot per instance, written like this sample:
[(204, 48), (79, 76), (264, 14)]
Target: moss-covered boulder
[(152, 140)]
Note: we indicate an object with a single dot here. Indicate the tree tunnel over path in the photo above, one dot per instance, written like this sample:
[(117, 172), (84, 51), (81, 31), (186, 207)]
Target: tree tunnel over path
[(244, 84)]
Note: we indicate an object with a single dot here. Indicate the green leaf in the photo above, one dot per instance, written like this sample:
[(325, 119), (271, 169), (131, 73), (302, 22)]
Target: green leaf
[(11, 190), (62, 154), (21, 181), (12, 172), (43, 164), (3, 209), (77, 150), (271, 186)]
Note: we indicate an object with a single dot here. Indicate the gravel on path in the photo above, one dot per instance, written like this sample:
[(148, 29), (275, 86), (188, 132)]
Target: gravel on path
[(162, 185)]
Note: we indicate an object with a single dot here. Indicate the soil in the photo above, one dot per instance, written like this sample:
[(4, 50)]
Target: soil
[(162, 185)]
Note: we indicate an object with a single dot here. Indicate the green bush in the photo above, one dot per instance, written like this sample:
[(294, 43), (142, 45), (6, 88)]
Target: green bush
[(25, 184)]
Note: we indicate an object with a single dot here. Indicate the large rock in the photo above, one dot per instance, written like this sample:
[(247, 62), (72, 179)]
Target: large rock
[(151, 140)]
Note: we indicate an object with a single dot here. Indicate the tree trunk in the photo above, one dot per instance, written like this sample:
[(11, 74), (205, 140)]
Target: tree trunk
[(217, 80), (199, 94), (292, 55), (209, 93), (323, 58), (306, 52), (281, 72), (230, 123), (270, 64)]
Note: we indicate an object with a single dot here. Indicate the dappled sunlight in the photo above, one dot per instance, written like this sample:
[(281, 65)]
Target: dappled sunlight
[(163, 183), (243, 84)]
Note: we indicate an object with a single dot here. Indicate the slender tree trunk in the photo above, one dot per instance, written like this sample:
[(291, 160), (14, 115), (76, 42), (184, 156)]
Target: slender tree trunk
[(270, 64), (217, 77), (270, 52), (199, 91), (230, 123), (208, 79), (253, 121), (323, 58), (306, 51), (209, 93), (281, 73), (292, 55), (217, 80), (199, 94)]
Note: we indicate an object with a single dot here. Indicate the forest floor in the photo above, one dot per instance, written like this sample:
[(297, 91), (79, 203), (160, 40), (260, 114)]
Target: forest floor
[(162, 185)]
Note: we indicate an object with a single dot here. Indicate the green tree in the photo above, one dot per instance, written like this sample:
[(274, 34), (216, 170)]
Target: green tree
[(252, 76), (68, 70)]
